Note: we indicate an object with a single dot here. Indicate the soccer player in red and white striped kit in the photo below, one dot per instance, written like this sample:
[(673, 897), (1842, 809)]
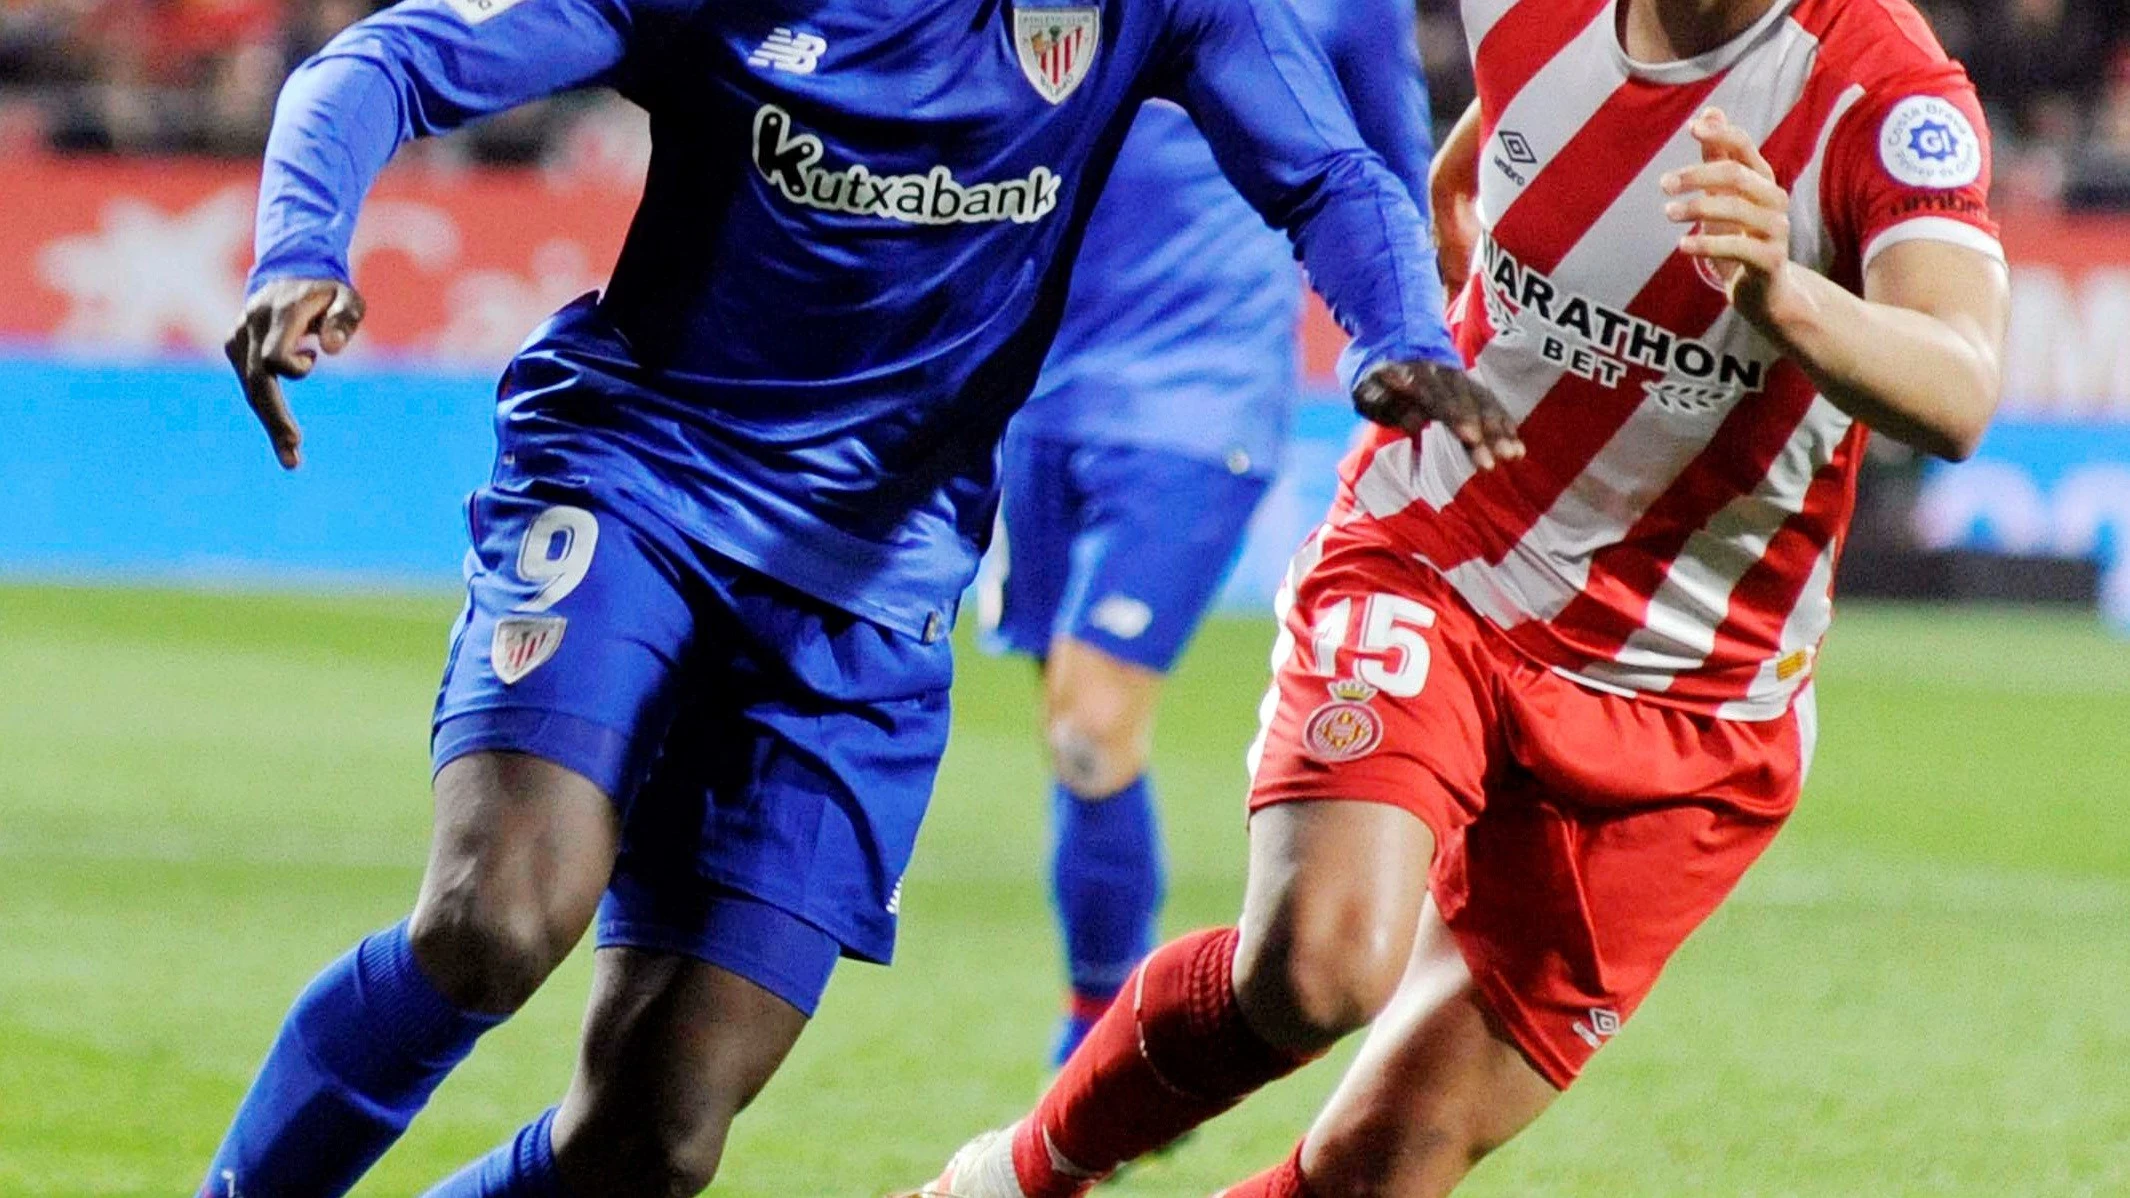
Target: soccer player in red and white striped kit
[(1532, 722)]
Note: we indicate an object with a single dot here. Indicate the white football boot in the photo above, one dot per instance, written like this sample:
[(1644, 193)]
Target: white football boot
[(982, 1169)]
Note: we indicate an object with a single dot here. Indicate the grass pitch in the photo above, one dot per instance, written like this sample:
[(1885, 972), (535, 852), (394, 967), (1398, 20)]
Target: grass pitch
[(1920, 991)]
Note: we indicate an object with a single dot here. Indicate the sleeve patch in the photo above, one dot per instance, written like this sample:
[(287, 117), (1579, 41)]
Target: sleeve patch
[(1925, 142), (473, 12)]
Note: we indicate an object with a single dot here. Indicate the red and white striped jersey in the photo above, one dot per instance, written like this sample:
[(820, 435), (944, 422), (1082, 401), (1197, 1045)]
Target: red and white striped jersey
[(1674, 528)]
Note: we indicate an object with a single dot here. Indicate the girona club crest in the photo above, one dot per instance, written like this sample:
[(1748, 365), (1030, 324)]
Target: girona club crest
[(1055, 47), (1346, 728)]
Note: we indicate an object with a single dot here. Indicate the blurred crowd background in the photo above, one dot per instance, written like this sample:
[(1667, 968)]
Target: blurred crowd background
[(199, 77)]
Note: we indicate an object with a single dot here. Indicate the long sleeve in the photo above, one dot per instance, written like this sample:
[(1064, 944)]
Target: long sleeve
[(1377, 56), (420, 68), (1270, 104)]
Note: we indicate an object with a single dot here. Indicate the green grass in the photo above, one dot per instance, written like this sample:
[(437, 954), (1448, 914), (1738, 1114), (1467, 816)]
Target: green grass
[(1921, 991)]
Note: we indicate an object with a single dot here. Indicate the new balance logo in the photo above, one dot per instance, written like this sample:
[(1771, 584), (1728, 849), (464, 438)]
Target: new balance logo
[(789, 51)]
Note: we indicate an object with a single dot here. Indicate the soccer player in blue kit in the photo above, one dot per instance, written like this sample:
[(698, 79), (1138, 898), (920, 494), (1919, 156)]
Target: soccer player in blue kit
[(1131, 474), (699, 690)]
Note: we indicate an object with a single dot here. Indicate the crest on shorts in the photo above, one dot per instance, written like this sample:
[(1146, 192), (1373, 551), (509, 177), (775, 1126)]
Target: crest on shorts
[(1346, 728), (523, 644), (1055, 47)]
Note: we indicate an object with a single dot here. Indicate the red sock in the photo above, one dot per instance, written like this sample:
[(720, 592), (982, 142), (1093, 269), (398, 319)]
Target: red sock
[(1170, 1053), (1283, 1180)]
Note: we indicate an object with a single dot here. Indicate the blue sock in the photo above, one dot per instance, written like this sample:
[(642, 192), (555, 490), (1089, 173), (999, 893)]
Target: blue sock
[(523, 1168), (361, 1051), (1105, 874)]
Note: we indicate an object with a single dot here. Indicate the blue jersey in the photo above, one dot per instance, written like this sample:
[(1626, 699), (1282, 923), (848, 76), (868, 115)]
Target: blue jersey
[(854, 243), (1179, 329)]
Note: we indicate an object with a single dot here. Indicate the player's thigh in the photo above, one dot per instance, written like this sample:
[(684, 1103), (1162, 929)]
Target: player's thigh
[(1333, 896), (1023, 578), (674, 1048), (1156, 534), (1373, 748), (1436, 1085), (555, 696)]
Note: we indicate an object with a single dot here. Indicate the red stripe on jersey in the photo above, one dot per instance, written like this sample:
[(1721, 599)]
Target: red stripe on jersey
[(1520, 44), (1763, 600), (1624, 576)]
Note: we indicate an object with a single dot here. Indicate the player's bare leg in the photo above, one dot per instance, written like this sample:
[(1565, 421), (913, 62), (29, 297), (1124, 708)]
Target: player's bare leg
[(1329, 917), (1098, 716), (1437, 1085), (1106, 873), (521, 852), (673, 1049), (1333, 897)]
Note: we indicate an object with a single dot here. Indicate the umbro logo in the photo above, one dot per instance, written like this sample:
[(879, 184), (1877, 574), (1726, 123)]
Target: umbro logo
[(1516, 157), (790, 51), (1604, 1025)]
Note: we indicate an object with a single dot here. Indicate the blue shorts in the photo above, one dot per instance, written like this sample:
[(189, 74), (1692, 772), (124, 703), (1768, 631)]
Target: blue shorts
[(771, 756), (1117, 546)]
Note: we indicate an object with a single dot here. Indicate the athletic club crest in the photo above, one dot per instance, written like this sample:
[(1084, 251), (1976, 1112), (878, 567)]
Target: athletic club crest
[(1346, 728), (523, 644), (1055, 47)]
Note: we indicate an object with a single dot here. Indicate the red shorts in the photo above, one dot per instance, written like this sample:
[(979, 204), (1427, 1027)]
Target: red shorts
[(1581, 836)]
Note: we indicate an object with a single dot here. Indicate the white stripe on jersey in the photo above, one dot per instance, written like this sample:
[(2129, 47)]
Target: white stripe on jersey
[(1935, 228)]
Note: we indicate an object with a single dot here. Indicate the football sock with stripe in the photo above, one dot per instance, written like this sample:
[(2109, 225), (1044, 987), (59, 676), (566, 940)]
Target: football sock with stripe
[(1106, 883), (1172, 1052), (364, 1046), (522, 1168)]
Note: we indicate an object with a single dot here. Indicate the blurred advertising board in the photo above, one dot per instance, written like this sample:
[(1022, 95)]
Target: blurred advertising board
[(118, 279), (2053, 476)]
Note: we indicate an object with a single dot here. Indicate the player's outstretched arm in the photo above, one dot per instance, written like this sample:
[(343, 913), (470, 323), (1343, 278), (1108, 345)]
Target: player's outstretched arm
[(1266, 97), (1453, 198), (419, 68), (1919, 356)]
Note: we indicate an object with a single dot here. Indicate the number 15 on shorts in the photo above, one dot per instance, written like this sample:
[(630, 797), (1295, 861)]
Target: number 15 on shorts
[(1391, 652)]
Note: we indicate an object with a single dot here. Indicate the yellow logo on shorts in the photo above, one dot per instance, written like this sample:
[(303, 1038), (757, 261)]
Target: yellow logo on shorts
[(1346, 728)]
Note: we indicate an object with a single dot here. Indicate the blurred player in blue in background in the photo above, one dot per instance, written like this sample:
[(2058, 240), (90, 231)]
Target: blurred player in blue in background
[(1131, 475), (699, 691)]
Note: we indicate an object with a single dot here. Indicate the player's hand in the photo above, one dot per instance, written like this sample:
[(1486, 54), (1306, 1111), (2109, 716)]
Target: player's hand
[(1738, 215), (285, 326), (1412, 395)]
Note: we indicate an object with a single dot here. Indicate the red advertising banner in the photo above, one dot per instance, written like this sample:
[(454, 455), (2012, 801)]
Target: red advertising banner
[(130, 257), (125, 257)]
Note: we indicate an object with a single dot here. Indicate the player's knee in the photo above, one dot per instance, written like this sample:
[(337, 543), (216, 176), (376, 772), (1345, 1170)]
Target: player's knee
[(485, 954), (1326, 968), (1097, 745)]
